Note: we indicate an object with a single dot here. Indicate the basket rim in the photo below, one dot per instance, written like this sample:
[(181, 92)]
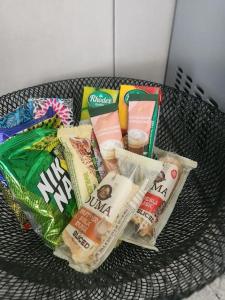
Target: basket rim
[(212, 219), (153, 83)]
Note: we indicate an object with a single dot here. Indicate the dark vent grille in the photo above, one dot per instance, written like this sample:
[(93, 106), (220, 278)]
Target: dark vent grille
[(178, 81), (186, 90), (179, 75), (197, 95), (176, 86), (187, 84), (200, 89), (189, 78)]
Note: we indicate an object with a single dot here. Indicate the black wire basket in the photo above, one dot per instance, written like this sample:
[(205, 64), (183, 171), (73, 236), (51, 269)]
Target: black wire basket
[(192, 245)]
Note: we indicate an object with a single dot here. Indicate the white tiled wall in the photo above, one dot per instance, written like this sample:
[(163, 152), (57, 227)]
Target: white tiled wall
[(46, 40), (142, 37)]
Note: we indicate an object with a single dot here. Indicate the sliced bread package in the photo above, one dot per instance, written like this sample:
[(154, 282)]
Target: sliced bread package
[(160, 200), (95, 229)]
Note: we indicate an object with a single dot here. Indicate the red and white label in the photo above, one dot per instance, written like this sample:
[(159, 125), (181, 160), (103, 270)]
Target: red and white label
[(151, 203), (160, 192)]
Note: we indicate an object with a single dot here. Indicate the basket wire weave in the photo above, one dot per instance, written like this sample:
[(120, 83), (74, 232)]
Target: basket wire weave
[(192, 245)]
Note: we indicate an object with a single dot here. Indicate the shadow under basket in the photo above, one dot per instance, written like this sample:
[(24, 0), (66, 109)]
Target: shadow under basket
[(191, 246)]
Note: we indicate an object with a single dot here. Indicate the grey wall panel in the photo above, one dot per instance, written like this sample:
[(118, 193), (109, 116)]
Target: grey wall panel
[(198, 47)]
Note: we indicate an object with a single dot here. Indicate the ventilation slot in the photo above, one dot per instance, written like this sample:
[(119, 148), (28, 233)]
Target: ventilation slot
[(180, 70), (199, 92), (197, 95), (189, 78), (178, 81), (212, 102), (200, 89), (186, 83), (186, 90), (179, 75), (176, 86)]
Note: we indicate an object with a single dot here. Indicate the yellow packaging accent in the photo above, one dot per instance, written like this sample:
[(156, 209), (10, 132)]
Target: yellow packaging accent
[(96, 97), (123, 107)]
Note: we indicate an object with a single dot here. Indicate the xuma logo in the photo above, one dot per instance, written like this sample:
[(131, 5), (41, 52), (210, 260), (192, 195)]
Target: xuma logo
[(99, 98), (99, 205), (159, 188), (55, 182)]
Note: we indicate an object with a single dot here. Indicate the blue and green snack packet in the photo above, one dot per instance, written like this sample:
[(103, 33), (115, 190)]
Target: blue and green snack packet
[(50, 120), (22, 114), (6, 133)]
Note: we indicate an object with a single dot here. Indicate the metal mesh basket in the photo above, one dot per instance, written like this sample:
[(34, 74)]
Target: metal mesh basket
[(192, 246)]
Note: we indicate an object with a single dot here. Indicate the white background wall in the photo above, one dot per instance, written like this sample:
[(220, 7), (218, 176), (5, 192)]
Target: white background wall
[(142, 35), (46, 40)]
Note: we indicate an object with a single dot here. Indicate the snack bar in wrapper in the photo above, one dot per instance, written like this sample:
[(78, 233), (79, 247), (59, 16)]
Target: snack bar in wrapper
[(93, 232), (100, 171), (141, 112), (105, 122), (158, 203), (80, 160), (94, 98), (125, 92), (36, 172)]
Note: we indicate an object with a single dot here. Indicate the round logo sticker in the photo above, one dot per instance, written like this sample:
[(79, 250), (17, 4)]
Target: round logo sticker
[(133, 92), (174, 174), (99, 98)]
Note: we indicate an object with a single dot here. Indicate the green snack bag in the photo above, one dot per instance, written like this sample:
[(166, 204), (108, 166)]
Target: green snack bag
[(95, 97), (15, 207), (36, 172), (53, 122)]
